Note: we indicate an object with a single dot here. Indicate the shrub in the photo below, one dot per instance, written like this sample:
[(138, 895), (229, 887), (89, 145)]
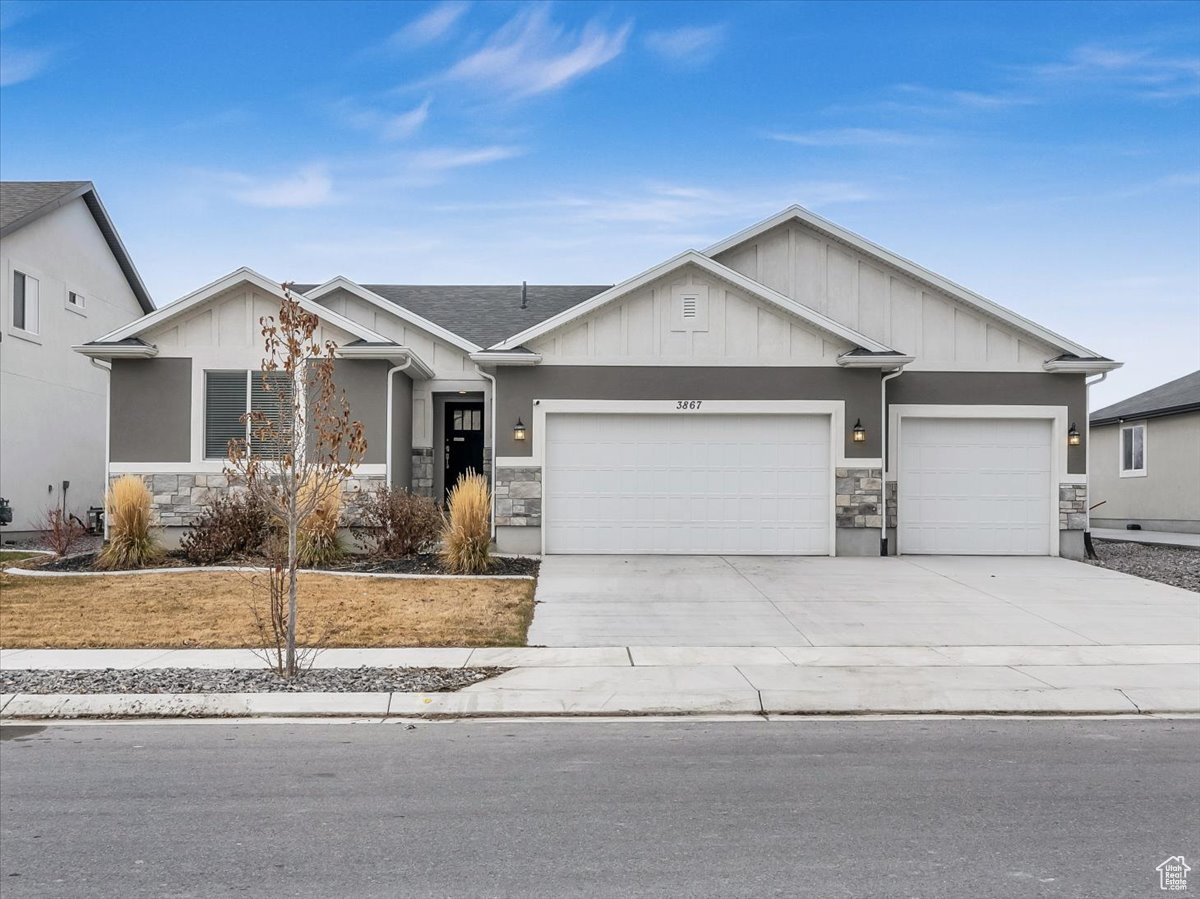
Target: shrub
[(318, 535), (393, 523), (230, 525), (61, 531), (468, 539), (130, 541)]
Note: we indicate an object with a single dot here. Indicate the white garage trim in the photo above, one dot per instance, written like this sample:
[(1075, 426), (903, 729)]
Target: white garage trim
[(834, 409), (1056, 415)]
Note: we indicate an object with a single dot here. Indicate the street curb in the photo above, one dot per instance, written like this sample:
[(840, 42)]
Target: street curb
[(549, 704)]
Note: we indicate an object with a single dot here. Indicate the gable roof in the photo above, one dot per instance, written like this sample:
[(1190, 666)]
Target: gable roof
[(1172, 398), (691, 257), (237, 276), (24, 202), (945, 285), (483, 314)]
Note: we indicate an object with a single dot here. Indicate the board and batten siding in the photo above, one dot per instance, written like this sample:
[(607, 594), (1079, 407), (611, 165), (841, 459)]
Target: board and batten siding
[(866, 294), (731, 328)]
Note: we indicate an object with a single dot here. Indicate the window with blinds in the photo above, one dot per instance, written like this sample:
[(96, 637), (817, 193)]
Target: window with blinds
[(273, 398), (224, 406)]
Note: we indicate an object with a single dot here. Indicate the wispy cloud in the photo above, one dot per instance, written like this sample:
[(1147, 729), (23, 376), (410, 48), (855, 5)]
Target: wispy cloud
[(690, 46), (1143, 71), (388, 125), (532, 55), (853, 137), (442, 159), (17, 64), (307, 187), (434, 25)]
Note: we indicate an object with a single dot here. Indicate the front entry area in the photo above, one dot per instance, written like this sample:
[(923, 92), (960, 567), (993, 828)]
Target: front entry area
[(463, 449), (688, 483)]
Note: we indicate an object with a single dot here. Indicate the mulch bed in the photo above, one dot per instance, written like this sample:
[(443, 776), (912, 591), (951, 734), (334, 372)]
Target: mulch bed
[(1178, 566), (425, 563), (244, 680)]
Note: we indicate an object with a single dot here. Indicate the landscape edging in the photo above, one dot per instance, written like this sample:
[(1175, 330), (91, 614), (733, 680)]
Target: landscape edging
[(192, 569)]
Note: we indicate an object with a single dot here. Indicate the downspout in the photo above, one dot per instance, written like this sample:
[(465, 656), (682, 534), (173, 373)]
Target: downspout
[(1087, 462), (390, 436), (106, 367), (883, 462), (483, 374)]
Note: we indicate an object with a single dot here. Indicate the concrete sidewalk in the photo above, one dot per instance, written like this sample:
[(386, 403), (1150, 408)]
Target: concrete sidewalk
[(623, 680), (1162, 538)]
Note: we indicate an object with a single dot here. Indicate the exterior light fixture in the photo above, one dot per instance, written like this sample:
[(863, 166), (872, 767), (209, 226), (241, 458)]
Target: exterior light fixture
[(1073, 438), (519, 430), (860, 433)]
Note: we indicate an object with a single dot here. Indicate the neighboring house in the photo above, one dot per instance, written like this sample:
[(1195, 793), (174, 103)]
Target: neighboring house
[(794, 389), (64, 277), (1146, 459)]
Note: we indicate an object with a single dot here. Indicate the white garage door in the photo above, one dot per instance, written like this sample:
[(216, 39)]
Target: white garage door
[(975, 486), (687, 483)]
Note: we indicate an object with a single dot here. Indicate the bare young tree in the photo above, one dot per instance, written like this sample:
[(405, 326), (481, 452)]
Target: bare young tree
[(301, 446)]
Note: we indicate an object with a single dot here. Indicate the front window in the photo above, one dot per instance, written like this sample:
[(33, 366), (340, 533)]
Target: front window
[(25, 303), (230, 395), (1133, 450)]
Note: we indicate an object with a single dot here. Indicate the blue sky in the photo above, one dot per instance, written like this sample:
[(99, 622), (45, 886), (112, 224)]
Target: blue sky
[(1045, 155)]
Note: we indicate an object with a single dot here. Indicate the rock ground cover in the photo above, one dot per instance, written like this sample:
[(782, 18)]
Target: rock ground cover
[(244, 680), (1178, 566)]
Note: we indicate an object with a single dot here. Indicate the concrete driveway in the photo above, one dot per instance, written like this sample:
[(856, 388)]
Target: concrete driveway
[(909, 601)]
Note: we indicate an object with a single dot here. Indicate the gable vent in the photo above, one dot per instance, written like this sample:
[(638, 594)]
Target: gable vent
[(689, 307)]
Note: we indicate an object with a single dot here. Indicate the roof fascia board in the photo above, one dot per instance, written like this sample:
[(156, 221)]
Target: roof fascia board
[(692, 257), (87, 192), (1080, 366), (94, 351), (888, 361), (208, 291), (1144, 415), (486, 358), (395, 309), (905, 265), (412, 362)]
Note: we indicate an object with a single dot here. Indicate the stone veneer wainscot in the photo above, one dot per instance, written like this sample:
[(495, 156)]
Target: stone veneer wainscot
[(858, 491), (519, 497)]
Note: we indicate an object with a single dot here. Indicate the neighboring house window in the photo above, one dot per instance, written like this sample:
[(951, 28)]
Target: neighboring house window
[(25, 302), (229, 396), (75, 301), (1133, 450)]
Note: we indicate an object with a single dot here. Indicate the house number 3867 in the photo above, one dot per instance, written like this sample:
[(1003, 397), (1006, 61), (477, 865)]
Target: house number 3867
[(690, 405)]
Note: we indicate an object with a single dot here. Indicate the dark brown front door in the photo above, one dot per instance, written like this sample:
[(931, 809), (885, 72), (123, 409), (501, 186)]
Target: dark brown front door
[(464, 441)]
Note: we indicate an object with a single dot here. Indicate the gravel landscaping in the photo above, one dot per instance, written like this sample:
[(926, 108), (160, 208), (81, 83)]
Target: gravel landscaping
[(1178, 566), (426, 563), (244, 680)]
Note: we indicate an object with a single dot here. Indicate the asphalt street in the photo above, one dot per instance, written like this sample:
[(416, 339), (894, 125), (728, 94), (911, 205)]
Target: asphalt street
[(822, 808)]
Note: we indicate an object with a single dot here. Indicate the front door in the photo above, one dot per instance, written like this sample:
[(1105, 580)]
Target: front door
[(464, 441)]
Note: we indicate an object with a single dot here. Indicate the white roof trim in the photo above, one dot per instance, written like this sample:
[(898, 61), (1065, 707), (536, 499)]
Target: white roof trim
[(486, 358), (907, 266), (208, 291), (415, 365), (691, 257), (401, 312), (117, 351), (1081, 366), (888, 361)]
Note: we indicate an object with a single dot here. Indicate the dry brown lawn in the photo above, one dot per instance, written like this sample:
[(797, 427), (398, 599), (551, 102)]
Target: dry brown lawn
[(214, 609)]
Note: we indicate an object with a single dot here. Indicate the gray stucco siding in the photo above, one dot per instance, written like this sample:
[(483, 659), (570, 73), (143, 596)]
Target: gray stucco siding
[(402, 430), (973, 388), (517, 388), (365, 384), (150, 410)]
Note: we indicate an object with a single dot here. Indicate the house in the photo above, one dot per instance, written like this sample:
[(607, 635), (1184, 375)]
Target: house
[(793, 389), (1146, 459), (64, 277)]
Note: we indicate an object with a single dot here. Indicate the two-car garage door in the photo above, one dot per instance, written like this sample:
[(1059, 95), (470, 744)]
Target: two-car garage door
[(687, 482)]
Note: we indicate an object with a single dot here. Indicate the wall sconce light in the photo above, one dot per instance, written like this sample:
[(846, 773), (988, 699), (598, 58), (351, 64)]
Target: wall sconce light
[(860, 433), (1073, 438), (519, 430)]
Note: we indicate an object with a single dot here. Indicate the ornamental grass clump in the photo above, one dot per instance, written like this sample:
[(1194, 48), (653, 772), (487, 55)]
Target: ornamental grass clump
[(317, 538), (131, 542), (467, 542)]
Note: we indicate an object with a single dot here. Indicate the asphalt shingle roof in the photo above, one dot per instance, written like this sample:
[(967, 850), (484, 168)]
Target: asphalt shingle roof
[(21, 199), (1180, 395), (484, 314)]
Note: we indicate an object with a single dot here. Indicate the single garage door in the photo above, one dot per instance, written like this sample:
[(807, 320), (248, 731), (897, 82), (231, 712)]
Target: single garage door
[(975, 486), (687, 483)]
